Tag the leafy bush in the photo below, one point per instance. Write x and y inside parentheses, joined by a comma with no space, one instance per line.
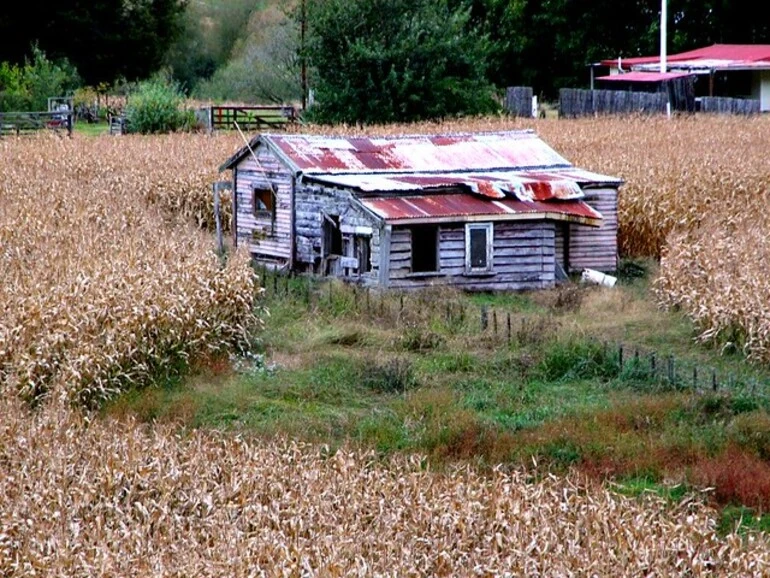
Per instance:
(28,87)
(156,107)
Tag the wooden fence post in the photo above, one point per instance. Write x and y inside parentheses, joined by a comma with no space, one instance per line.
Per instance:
(484,318)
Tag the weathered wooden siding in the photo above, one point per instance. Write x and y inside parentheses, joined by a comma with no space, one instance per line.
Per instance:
(523,258)
(596,248)
(312,202)
(560,234)
(274,243)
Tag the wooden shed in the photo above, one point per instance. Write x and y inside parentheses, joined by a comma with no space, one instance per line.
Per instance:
(489,211)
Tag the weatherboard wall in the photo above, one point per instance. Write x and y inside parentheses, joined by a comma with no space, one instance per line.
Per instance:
(315,203)
(596,247)
(522,257)
(267,241)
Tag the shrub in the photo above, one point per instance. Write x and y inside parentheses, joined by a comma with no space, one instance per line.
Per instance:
(27,88)
(156,107)
(737,477)
(395,375)
(577,359)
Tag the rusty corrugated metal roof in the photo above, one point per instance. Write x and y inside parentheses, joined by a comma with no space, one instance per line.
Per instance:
(557,184)
(513,150)
(505,175)
(463,206)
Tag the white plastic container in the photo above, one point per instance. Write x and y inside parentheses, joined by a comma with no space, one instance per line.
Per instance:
(599,278)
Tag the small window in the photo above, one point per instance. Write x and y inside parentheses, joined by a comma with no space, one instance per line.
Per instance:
(332,241)
(424,249)
(363,254)
(478,247)
(264,203)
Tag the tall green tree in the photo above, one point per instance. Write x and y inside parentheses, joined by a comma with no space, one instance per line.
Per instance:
(378,61)
(103,39)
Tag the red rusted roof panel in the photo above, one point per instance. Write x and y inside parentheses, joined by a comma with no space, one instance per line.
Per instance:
(427,207)
(512,150)
(639,76)
(727,54)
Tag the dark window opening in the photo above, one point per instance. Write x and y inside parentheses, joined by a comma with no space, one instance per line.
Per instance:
(332,235)
(363,254)
(264,203)
(424,249)
(478,248)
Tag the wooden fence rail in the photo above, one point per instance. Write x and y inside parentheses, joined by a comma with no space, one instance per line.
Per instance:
(518,101)
(249,118)
(575,102)
(16,123)
(717,104)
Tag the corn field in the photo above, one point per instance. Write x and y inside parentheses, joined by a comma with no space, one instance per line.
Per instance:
(116,499)
(106,284)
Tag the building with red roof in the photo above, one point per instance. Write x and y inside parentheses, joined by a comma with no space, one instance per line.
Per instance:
(741,70)
(482,211)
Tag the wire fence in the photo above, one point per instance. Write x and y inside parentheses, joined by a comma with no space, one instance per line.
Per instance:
(500,326)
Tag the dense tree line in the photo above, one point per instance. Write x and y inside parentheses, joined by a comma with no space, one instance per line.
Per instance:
(366,60)
(368,50)
(103,39)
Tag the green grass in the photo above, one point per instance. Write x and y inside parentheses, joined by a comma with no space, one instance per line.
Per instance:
(91,129)
(416,373)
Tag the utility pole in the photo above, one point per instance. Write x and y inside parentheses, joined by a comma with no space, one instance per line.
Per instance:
(663,34)
(303,54)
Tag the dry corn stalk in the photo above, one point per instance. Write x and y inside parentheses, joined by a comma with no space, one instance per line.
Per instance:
(101,289)
(117,499)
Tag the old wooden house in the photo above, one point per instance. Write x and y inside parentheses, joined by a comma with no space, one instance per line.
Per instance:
(490,211)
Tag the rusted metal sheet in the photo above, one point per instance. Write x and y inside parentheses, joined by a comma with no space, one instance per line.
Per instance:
(557,184)
(462,205)
(514,150)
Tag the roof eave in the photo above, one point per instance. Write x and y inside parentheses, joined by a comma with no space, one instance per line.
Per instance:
(239,155)
(264,139)
(538,216)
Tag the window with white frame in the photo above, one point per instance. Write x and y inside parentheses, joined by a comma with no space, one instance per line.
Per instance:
(479,241)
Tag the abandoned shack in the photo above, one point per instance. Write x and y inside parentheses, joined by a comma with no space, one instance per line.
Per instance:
(489,211)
